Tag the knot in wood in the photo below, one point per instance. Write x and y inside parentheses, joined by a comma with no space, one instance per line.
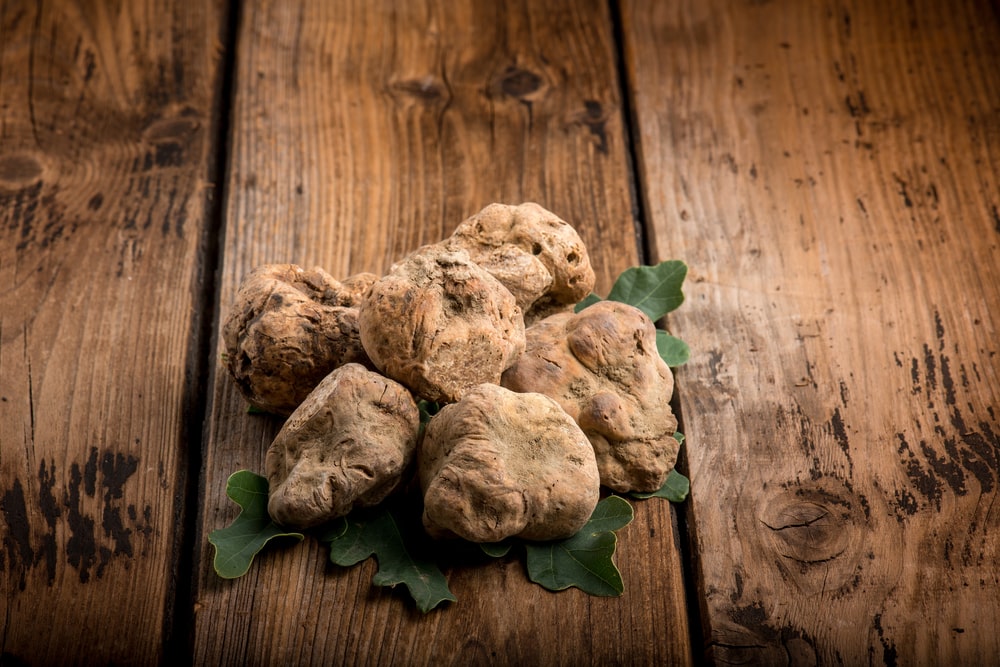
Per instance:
(813,524)
(820,534)
(171,130)
(806,530)
(428,89)
(518,83)
(19,170)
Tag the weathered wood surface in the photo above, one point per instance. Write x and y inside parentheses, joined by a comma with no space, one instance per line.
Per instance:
(362,130)
(107,139)
(831,172)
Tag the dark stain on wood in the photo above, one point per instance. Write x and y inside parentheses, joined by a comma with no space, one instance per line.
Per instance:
(809,435)
(35,216)
(889,652)
(752,616)
(945,467)
(49,507)
(715,365)
(907,201)
(595,119)
(29,542)
(17,539)
(116,468)
(730,162)
(905,504)
(959,451)
(839,431)
(857,105)
(923,481)
(81,546)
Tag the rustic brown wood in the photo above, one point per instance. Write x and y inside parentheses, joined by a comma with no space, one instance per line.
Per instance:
(831,172)
(106,144)
(360,131)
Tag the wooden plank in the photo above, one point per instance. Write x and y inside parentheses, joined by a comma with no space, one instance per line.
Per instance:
(106,145)
(831,172)
(360,131)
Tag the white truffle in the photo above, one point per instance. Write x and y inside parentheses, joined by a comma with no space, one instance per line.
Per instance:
(602,366)
(499,464)
(349,444)
(440,324)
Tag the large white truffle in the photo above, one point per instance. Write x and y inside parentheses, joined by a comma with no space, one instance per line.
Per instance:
(602,366)
(287,329)
(499,464)
(440,324)
(538,256)
(349,443)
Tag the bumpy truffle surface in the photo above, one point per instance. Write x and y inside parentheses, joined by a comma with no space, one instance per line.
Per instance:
(539,257)
(287,329)
(499,464)
(349,444)
(602,366)
(440,324)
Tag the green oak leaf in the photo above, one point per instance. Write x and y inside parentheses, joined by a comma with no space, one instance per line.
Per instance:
(588,300)
(655,290)
(584,560)
(496,549)
(238,543)
(332,530)
(427,410)
(675,489)
(673,350)
(393,535)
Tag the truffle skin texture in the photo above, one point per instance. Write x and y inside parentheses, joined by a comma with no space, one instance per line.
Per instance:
(499,464)
(287,329)
(539,257)
(440,324)
(602,366)
(349,444)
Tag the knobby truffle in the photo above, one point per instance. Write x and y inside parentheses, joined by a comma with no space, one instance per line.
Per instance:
(287,329)
(440,324)
(539,257)
(499,464)
(602,366)
(349,444)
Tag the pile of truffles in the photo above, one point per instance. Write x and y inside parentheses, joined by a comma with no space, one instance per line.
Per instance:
(540,406)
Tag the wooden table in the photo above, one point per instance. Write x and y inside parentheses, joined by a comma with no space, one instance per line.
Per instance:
(830,171)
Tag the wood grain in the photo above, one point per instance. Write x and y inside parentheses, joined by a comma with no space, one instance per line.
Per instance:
(831,172)
(106,145)
(362,130)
